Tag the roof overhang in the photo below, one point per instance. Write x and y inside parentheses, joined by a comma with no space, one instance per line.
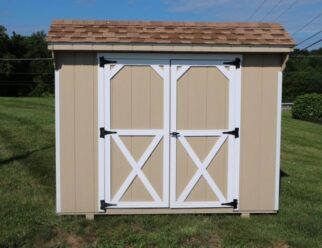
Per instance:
(144,47)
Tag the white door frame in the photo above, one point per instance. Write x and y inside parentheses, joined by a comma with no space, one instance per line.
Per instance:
(233,76)
(151,58)
(158,201)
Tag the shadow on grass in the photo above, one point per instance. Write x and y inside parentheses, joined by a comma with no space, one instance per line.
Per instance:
(283,173)
(24,155)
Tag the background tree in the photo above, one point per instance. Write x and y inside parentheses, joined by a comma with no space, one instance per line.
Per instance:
(303,74)
(25,77)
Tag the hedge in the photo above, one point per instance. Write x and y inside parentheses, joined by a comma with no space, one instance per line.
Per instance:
(308,107)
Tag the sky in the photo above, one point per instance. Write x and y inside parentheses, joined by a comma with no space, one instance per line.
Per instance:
(301,18)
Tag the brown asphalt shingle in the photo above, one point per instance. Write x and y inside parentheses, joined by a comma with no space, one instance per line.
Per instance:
(272,34)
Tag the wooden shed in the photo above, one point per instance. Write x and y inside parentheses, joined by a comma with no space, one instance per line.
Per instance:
(167,117)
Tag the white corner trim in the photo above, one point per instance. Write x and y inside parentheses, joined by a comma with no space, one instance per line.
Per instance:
(57,143)
(278,138)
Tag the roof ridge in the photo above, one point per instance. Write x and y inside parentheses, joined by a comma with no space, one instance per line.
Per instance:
(138,22)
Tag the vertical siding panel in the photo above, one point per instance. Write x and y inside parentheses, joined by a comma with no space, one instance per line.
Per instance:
(84,150)
(258,131)
(67,121)
(95,130)
(250,132)
(271,66)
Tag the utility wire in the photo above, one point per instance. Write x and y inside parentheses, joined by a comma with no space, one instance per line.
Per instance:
(306,56)
(27,73)
(309,37)
(287,9)
(24,59)
(24,82)
(256,10)
(312,44)
(271,10)
(308,23)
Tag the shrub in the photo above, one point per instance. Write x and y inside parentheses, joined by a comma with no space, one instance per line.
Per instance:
(308,107)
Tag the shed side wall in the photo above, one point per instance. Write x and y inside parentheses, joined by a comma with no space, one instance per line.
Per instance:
(79,137)
(258,131)
(78,108)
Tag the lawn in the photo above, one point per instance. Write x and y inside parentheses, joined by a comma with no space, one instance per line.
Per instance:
(27,195)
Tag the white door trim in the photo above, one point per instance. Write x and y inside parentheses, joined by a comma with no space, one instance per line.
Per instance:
(101,142)
(233,75)
(105,76)
(153,59)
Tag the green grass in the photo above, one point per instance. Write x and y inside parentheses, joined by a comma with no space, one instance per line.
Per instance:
(27,196)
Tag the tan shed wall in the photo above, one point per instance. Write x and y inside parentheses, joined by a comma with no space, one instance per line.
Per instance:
(79,132)
(258,131)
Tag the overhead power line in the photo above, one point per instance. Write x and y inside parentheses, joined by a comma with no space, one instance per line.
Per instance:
(33,82)
(256,10)
(308,23)
(271,10)
(313,35)
(15,84)
(27,73)
(287,9)
(306,56)
(24,59)
(312,44)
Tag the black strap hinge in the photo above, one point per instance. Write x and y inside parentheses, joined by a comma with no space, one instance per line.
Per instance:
(104,61)
(104,132)
(235,62)
(233,204)
(105,205)
(175,134)
(234,132)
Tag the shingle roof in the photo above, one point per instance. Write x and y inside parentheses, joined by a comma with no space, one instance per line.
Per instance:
(155,32)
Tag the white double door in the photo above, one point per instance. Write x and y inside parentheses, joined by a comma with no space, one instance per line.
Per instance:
(171,133)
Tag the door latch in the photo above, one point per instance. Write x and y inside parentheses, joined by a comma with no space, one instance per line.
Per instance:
(175,134)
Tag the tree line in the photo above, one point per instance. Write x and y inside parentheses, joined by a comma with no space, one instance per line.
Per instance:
(25,77)
(303,73)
